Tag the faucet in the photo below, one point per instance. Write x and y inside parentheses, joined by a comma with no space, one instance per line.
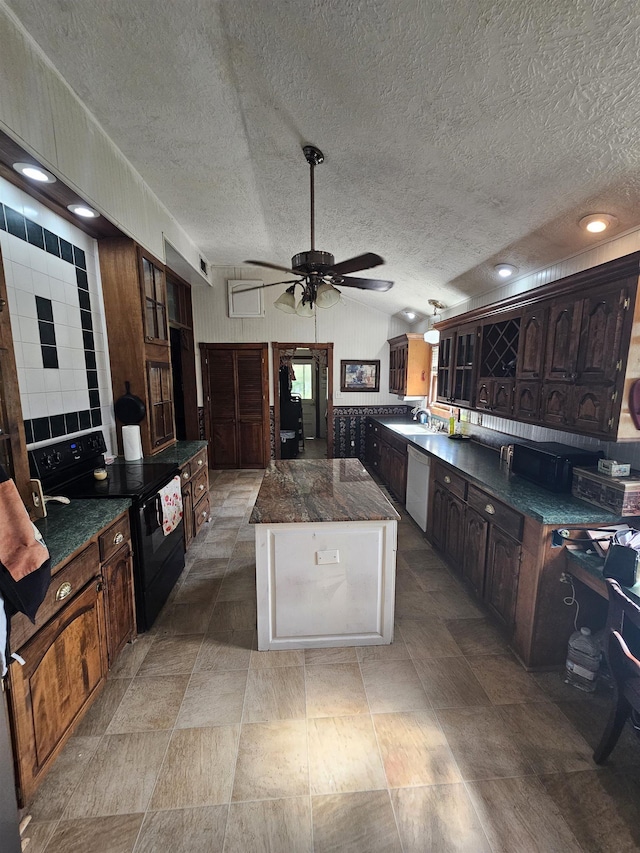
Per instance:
(421,415)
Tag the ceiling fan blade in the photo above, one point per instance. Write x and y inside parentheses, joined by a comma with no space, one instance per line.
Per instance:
(270,284)
(365,283)
(272,266)
(360,262)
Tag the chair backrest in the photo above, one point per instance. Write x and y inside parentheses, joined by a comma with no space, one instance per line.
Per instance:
(623,627)
(621,608)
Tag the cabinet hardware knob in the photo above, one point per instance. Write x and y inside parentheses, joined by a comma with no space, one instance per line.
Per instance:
(64,591)
(490,509)
(201,487)
(3,304)
(204,513)
(447,479)
(185,475)
(118,538)
(200,462)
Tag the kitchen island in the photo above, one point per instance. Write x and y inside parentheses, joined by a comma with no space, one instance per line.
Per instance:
(326,540)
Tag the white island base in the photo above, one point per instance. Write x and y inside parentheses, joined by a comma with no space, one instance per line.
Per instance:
(325,584)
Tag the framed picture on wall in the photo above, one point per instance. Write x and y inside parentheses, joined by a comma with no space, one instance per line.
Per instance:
(360,375)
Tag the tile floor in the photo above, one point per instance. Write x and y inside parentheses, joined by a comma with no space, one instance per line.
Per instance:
(439,742)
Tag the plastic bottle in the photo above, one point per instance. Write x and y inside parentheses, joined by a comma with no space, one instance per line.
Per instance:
(452,423)
(583,660)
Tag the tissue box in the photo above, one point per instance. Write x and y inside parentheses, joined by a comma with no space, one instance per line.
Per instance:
(619,495)
(613,468)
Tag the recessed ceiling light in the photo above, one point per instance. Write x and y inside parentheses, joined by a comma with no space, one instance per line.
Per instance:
(597,222)
(83,210)
(34,172)
(409,314)
(506,270)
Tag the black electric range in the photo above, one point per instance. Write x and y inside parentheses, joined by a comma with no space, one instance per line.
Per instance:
(66,469)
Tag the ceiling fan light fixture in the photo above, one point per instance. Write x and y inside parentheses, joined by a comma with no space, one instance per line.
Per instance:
(597,222)
(287,301)
(305,309)
(327,295)
(505,270)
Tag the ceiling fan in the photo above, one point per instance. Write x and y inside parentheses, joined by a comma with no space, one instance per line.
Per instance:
(318,272)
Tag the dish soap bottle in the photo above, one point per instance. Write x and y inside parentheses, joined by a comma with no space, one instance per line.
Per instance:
(452,423)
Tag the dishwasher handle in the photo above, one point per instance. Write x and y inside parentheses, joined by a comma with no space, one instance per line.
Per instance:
(417,456)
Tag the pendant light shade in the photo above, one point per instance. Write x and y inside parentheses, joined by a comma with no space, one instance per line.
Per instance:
(305,309)
(327,295)
(432,337)
(287,301)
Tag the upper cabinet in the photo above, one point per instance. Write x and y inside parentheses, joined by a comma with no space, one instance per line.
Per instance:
(561,356)
(135,301)
(409,366)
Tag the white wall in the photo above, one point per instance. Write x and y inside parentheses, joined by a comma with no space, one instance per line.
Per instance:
(357,332)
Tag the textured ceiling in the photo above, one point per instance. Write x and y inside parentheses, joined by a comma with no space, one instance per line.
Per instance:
(455,134)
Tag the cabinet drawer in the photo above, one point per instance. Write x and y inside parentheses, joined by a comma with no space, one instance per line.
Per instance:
(454,482)
(185,473)
(200,485)
(64,585)
(113,538)
(497,513)
(201,513)
(199,462)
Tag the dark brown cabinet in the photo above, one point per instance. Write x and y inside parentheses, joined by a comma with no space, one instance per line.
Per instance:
(501,575)
(120,614)
(160,398)
(386,456)
(446,516)
(196,508)
(473,564)
(409,365)
(457,366)
(154,295)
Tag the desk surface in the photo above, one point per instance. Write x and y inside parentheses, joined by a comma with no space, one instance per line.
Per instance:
(588,569)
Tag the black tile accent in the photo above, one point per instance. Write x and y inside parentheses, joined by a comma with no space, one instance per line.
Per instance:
(3,222)
(81,279)
(85,321)
(47,333)
(66,250)
(83,299)
(90,359)
(28,432)
(71,421)
(49,356)
(85,419)
(35,234)
(96,417)
(44,308)
(92,380)
(57,425)
(94,399)
(15,223)
(52,243)
(41,429)
(80,259)
(89,342)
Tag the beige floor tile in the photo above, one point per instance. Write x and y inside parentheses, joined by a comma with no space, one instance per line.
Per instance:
(233,616)
(59,784)
(149,704)
(198,768)
(198,830)
(602,808)
(185,618)
(504,680)
(268,660)
(226,650)
(343,755)
(518,815)
(335,690)
(239,586)
(38,834)
(477,636)
(432,579)
(131,656)
(275,694)
(438,818)
(453,602)
(113,834)
(120,777)
(354,823)
(209,567)
(480,743)
(450,683)
(414,605)
(393,686)
(173,655)
(197,589)
(213,699)
(547,739)
(428,638)
(270,826)
(314,657)
(396,650)
(272,761)
(101,712)
(411,538)
(414,749)
(422,559)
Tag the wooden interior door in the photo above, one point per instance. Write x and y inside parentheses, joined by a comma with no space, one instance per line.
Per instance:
(236,400)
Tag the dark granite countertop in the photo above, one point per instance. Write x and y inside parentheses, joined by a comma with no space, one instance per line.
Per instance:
(178,453)
(319,490)
(68,527)
(592,564)
(481,465)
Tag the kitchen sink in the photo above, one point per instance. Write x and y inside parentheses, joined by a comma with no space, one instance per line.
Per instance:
(412,429)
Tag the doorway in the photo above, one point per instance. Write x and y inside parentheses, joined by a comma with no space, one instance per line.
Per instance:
(303,400)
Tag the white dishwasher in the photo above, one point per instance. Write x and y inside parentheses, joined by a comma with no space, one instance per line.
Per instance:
(418,486)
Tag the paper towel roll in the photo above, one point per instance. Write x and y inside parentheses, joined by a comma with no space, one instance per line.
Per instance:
(131,442)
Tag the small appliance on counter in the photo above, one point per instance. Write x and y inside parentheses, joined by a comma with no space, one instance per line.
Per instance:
(617,494)
(549,464)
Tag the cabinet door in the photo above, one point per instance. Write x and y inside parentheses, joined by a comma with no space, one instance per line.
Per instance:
(484,394)
(563,335)
(445,364)
(502,573)
(603,316)
(160,403)
(526,400)
(463,369)
(592,409)
(65,663)
(454,544)
(555,404)
(155,302)
(437,521)
(531,343)
(503,396)
(120,613)
(475,550)
(397,481)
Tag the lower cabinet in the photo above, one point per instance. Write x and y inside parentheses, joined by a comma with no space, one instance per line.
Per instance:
(196,506)
(120,614)
(386,456)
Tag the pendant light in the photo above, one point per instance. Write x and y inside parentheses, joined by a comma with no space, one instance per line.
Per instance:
(433,335)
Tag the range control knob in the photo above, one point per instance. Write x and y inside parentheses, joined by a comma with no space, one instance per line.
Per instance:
(51,460)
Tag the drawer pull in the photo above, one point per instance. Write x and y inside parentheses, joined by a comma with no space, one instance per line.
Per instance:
(201,487)
(185,475)
(200,462)
(447,479)
(204,513)
(490,509)
(118,538)
(64,591)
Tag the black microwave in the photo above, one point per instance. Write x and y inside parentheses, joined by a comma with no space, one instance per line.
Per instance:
(549,464)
